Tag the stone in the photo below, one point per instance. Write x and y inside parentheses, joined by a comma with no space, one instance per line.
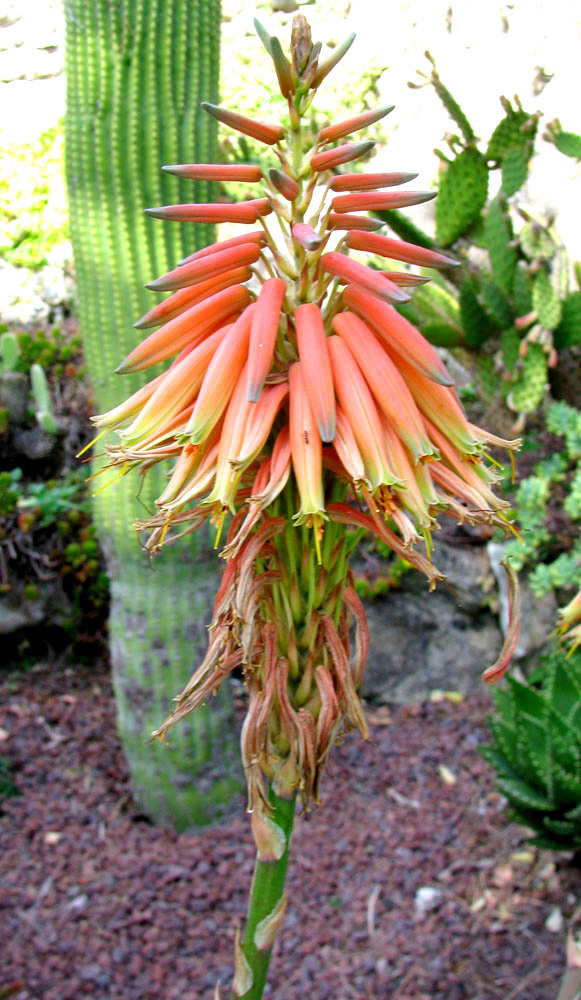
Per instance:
(15,396)
(35,444)
(420,643)
(427,898)
(50,607)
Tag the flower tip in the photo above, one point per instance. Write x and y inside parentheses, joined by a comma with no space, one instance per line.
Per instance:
(327,431)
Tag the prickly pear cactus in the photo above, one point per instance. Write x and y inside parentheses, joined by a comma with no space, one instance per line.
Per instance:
(516,131)
(136,73)
(498,237)
(568,143)
(536,751)
(568,333)
(528,388)
(462,192)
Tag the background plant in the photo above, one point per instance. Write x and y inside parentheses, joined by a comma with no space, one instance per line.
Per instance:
(547,507)
(516,301)
(536,751)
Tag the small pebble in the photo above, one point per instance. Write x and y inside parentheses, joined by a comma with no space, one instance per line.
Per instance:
(554,921)
(427,898)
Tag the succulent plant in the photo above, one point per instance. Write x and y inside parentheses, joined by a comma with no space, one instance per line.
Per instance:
(536,751)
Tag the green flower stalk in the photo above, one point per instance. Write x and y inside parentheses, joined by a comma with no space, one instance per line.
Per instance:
(298,405)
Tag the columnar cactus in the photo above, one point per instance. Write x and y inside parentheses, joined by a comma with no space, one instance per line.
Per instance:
(298,405)
(135,73)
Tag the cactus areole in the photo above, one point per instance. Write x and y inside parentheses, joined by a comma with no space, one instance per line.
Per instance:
(298,407)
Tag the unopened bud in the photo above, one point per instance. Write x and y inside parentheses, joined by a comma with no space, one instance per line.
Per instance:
(306,236)
(285,185)
(301,43)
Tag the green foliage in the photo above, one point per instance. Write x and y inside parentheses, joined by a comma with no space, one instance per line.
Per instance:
(51,499)
(33,206)
(9,352)
(545,301)
(42,403)
(529,381)
(519,296)
(462,192)
(515,131)
(54,519)
(498,236)
(536,751)
(548,543)
(568,143)
(9,490)
(568,331)
(58,353)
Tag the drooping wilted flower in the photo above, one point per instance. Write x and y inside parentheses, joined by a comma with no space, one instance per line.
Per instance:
(298,403)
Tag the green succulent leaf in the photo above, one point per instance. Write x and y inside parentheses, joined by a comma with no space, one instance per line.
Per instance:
(536,242)
(495,302)
(546,302)
(462,194)
(520,793)
(515,169)
(568,332)
(516,130)
(441,335)
(475,322)
(522,298)
(498,236)
(529,388)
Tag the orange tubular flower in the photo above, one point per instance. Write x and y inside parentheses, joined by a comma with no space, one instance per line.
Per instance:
(306,449)
(220,378)
(398,250)
(333,132)
(372,281)
(316,367)
(246,212)
(256,236)
(186,329)
(190,296)
(246,172)
(361,201)
(205,267)
(267,357)
(332,158)
(387,385)
(358,406)
(398,334)
(265,323)
(368,182)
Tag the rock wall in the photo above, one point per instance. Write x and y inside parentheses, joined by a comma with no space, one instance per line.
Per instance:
(421,642)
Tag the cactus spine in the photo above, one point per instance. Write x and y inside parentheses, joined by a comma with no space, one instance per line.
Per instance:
(136,73)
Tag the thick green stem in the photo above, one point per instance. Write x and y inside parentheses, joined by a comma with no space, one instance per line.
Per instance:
(266,897)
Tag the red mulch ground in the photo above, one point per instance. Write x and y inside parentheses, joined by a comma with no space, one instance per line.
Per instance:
(94,902)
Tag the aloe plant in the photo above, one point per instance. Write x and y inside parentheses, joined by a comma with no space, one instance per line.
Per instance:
(536,751)
(136,72)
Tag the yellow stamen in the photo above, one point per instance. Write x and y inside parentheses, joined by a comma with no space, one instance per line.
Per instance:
(112,481)
(91,443)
